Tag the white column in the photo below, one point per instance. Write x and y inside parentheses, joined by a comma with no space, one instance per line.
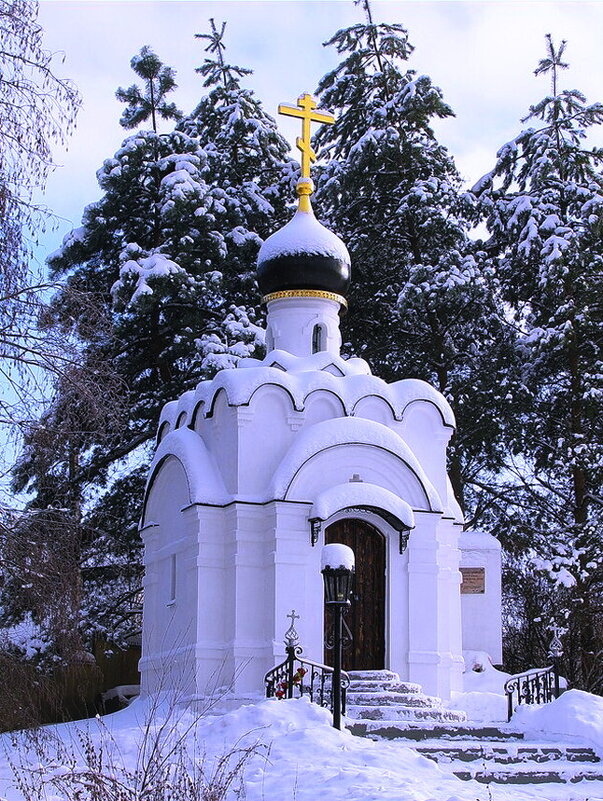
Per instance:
(213,666)
(431,597)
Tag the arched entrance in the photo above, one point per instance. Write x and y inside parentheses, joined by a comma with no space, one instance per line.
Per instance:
(366,617)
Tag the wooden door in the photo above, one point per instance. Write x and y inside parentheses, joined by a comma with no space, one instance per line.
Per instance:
(366,616)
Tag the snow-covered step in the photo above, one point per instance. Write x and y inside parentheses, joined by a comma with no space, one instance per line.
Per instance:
(529,773)
(389,717)
(388,698)
(388,685)
(504,753)
(379,680)
(430,730)
(490,754)
(379,695)
(373,675)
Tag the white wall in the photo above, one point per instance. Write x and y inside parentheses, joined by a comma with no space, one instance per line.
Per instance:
(482,612)
(245,561)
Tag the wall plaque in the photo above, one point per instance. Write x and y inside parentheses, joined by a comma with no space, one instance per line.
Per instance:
(474,580)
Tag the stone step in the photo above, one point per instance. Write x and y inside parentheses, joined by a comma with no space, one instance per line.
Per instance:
(390,716)
(503,754)
(373,675)
(390,698)
(527,774)
(387,685)
(394,730)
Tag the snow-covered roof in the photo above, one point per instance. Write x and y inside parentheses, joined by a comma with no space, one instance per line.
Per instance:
(206,485)
(361,494)
(204,478)
(351,380)
(303,234)
(479,541)
(453,509)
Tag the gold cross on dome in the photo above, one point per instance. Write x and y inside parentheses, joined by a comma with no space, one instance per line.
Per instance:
(305,110)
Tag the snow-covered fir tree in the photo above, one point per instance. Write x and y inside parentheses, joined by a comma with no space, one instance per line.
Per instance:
(247,159)
(159,81)
(168,256)
(422,302)
(543,205)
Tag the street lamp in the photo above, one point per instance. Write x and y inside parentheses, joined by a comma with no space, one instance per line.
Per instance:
(337,563)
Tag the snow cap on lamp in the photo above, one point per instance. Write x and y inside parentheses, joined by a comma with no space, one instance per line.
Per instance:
(337,556)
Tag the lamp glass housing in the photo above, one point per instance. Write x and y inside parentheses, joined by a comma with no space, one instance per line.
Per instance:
(338,585)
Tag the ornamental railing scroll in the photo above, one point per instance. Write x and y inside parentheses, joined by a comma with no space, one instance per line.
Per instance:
(347,637)
(532,687)
(297,677)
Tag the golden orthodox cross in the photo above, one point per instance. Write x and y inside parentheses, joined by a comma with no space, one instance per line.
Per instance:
(306,110)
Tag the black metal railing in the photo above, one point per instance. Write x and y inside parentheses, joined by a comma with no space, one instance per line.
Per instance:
(296,677)
(532,687)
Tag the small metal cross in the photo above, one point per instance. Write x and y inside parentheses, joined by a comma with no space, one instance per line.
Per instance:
(291,636)
(556,630)
(555,645)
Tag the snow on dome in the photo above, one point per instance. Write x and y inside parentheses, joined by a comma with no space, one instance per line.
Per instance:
(303,234)
(336,555)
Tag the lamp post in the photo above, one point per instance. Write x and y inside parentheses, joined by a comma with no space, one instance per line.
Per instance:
(337,564)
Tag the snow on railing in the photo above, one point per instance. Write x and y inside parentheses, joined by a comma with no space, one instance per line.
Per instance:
(535,686)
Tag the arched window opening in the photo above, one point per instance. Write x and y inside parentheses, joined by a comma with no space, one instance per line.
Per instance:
(172,588)
(318,339)
(163,430)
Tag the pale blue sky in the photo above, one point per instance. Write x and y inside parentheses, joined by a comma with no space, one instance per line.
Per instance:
(481,53)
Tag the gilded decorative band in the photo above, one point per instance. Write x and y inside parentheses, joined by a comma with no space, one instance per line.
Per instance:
(306,293)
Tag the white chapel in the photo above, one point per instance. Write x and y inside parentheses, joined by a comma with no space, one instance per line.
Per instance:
(256,469)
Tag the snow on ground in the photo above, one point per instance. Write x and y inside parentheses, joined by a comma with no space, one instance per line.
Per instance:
(486,707)
(484,698)
(294,754)
(484,701)
(573,714)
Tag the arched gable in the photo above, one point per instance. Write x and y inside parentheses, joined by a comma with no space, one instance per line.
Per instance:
(203,480)
(410,390)
(197,416)
(425,415)
(168,489)
(374,407)
(331,452)
(322,404)
(163,431)
(273,392)
(453,508)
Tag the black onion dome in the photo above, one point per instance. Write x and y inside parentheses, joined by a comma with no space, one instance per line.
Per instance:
(303,255)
